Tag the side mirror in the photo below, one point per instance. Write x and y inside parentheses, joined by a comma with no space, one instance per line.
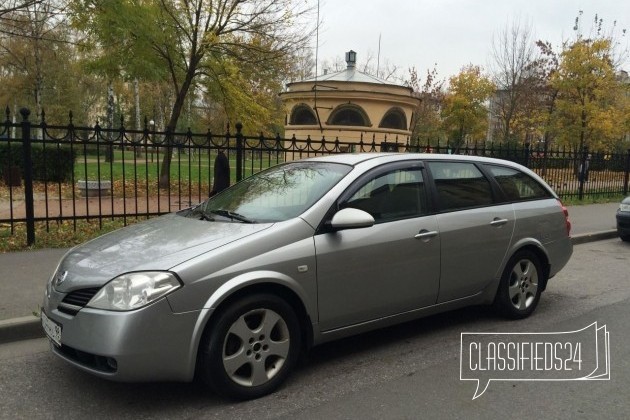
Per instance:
(350,218)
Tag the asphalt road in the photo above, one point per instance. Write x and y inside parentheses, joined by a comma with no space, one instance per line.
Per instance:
(408,371)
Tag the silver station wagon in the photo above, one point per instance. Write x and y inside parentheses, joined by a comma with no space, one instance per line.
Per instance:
(233,289)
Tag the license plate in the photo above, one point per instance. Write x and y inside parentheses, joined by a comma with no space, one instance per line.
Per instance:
(52,329)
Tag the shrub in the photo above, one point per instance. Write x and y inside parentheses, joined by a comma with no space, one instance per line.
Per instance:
(50,164)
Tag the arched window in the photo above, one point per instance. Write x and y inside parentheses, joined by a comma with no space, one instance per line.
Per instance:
(349,114)
(394,118)
(302,114)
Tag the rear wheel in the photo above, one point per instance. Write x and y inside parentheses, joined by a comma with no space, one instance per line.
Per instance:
(625,238)
(521,286)
(251,347)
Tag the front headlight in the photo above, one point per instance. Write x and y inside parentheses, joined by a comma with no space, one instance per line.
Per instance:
(624,207)
(134,290)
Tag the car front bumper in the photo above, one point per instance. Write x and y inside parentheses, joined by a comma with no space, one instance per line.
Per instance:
(623,223)
(148,344)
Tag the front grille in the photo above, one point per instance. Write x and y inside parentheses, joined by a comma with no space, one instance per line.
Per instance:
(74,301)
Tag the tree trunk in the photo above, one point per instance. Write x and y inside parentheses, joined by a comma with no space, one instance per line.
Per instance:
(109,153)
(136,100)
(165,171)
(39,77)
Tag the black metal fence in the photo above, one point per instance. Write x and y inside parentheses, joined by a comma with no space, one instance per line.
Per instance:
(57,173)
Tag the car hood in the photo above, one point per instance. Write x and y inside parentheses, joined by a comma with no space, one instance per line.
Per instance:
(157,244)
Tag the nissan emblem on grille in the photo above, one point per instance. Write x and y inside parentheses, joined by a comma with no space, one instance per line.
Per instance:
(60,278)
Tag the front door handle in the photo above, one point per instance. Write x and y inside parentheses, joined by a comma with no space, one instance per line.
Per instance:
(498,222)
(426,234)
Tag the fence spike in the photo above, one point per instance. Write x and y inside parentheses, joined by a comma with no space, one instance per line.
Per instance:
(25,112)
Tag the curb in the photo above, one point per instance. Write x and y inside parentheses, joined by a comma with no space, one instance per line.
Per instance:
(593,236)
(23,328)
(27,327)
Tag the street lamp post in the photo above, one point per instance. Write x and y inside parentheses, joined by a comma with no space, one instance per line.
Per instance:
(152,135)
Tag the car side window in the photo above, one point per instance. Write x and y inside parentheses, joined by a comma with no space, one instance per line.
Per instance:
(460,185)
(391,196)
(517,185)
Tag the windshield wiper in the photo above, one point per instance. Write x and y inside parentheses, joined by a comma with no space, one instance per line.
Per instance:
(204,216)
(197,212)
(231,215)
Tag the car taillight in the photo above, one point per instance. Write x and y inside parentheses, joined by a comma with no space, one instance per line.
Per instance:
(566,218)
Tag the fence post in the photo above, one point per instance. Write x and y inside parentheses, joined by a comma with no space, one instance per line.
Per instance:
(582,171)
(28,177)
(627,174)
(239,152)
(527,152)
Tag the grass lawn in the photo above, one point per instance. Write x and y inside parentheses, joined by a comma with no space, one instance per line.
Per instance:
(190,169)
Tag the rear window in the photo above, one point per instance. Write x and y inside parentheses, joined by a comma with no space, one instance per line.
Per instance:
(516,185)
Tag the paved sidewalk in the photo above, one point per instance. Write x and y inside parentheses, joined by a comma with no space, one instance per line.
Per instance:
(23,275)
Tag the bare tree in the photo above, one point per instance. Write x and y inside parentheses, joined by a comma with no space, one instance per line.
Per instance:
(427,121)
(37,24)
(12,6)
(303,65)
(513,53)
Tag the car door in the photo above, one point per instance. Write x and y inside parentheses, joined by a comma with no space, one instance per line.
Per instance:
(388,268)
(475,232)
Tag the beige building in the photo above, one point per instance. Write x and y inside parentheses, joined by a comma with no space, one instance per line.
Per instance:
(349,106)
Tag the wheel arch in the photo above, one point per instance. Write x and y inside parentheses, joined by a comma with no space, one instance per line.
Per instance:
(534,247)
(280,290)
(537,249)
(500,296)
(262,287)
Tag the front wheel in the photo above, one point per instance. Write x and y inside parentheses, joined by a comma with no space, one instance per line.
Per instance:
(521,286)
(251,347)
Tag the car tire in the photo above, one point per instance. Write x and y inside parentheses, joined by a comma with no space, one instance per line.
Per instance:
(625,238)
(250,348)
(521,285)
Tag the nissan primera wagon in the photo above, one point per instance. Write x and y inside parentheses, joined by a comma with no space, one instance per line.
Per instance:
(233,289)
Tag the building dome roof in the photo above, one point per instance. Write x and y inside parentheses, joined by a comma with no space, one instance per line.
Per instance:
(349,75)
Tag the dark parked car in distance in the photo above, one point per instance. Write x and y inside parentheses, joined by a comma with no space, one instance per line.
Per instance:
(623,219)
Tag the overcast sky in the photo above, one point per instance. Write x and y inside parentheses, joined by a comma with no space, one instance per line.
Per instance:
(450,33)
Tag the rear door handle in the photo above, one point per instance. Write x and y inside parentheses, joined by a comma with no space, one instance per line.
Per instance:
(498,222)
(426,234)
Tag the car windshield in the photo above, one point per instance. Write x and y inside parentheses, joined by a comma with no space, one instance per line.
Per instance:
(276,194)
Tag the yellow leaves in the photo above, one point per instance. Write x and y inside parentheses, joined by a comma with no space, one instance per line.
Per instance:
(209,39)
(464,104)
(591,99)
(60,234)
